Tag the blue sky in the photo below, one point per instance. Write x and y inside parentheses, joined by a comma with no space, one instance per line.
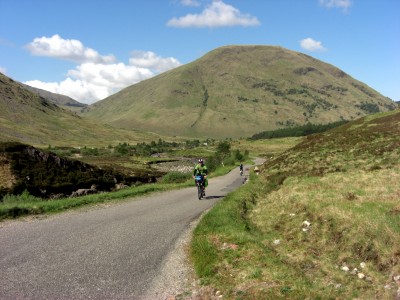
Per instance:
(89,49)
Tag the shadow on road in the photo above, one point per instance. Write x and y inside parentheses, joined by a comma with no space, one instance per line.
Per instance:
(212,197)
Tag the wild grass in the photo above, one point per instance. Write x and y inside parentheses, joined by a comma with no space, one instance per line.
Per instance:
(25,204)
(254,244)
(13,206)
(321,221)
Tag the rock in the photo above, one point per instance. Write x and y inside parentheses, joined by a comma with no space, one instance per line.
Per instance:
(397,279)
(345,268)
(361,275)
(120,186)
(363,265)
(355,271)
(277,242)
(387,287)
(83,192)
(56,196)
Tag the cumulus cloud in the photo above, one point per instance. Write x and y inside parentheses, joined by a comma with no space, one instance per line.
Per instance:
(83,91)
(344,4)
(310,44)
(72,50)
(90,81)
(3,70)
(150,60)
(217,14)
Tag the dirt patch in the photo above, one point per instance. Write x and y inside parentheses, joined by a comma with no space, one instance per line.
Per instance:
(183,165)
(6,178)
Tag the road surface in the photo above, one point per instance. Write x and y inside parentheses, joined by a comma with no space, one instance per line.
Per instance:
(103,252)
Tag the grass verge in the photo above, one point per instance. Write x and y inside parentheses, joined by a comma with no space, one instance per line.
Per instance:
(18,206)
(22,205)
(304,237)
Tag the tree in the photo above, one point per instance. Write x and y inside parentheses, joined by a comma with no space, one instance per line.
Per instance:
(223,151)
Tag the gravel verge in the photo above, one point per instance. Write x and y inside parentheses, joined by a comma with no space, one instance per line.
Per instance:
(177,279)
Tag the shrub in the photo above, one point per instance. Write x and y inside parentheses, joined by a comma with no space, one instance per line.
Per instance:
(176,177)
(24,197)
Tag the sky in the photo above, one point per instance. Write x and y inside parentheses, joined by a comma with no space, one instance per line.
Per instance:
(90,49)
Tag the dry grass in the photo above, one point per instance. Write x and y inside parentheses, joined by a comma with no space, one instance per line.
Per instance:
(6,177)
(267,148)
(327,205)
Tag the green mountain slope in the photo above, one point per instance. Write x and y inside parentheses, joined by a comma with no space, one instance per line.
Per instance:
(29,118)
(237,91)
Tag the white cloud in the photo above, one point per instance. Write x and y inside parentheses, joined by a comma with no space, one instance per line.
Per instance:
(148,59)
(3,70)
(82,91)
(72,50)
(311,45)
(344,4)
(217,14)
(190,3)
(90,82)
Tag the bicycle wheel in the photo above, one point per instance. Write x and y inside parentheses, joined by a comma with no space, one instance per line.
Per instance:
(199,191)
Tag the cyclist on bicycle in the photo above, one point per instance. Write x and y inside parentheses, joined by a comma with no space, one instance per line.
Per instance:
(201,169)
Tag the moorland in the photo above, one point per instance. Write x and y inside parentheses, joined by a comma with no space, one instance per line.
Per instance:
(320,221)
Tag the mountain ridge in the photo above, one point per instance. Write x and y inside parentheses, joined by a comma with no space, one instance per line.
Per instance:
(60,100)
(237,91)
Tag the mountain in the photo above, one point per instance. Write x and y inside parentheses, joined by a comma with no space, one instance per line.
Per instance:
(237,91)
(61,100)
(29,118)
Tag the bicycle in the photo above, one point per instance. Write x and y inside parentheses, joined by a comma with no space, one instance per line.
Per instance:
(200,186)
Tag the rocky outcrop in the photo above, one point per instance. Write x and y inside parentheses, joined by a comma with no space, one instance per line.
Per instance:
(47,175)
(84,192)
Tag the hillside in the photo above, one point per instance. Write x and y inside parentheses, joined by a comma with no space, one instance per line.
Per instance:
(60,100)
(29,118)
(237,91)
(47,175)
(321,221)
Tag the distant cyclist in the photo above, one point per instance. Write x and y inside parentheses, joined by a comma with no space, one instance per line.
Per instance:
(241,169)
(201,169)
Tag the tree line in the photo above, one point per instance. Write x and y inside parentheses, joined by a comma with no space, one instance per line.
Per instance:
(303,130)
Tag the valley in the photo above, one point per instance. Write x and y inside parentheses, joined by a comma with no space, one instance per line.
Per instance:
(319,220)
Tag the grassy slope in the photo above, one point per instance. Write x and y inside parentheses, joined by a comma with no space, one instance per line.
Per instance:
(254,244)
(28,118)
(236,91)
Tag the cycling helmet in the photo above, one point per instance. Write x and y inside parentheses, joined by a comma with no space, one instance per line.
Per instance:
(201,161)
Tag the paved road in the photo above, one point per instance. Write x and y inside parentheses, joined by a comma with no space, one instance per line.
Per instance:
(100,253)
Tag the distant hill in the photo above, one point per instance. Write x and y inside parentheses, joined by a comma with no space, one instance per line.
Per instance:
(60,100)
(29,118)
(237,91)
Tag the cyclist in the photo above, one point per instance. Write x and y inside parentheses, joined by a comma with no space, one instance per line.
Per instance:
(241,169)
(201,169)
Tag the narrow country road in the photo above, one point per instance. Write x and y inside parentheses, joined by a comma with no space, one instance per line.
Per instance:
(106,252)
